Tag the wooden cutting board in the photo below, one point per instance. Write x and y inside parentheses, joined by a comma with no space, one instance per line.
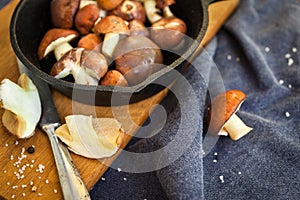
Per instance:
(20,172)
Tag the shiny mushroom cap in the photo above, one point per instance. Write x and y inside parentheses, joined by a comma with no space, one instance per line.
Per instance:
(63,12)
(54,38)
(222,114)
(86,18)
(168,32)
(109,4)
(111,24)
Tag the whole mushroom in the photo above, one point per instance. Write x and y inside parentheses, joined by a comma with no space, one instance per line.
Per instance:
(223,118)
(90,41)
(113,27)
(86,66)
(137,57)
(63,12)
(86,17)
(57,40)
(114,77)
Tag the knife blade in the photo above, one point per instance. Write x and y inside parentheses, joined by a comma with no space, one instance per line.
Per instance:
(71,182)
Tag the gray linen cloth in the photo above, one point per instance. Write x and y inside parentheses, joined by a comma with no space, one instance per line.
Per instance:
(257,51)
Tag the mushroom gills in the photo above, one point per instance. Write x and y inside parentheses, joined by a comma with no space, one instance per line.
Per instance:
(236,128)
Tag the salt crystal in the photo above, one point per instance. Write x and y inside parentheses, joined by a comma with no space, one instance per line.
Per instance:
(237,59)
(55,191)
(215,153)
(23,194)
(289,86)
(6,145)
(215,161)
(47,181)
(287,114)
(280,82)
(119,169)
(287,55)
(221,178)
(40,194)
(4,171)
(102,178)
(17,142)
(290,62)
(267,49)
(239,173)
(124,179)
(13,196)
(8,183)
(294,49)
(228,57)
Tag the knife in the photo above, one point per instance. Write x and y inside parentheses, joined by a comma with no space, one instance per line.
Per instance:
(73,188)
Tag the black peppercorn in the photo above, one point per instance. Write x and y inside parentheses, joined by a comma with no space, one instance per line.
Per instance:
(30,150)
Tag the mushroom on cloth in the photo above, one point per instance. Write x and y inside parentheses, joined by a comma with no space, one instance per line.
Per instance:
(223,118)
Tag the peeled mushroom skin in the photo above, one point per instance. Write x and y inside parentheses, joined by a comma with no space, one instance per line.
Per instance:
(63,12)
(137,57)
(130,10)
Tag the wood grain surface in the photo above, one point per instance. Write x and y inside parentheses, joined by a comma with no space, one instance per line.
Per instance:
(20,171)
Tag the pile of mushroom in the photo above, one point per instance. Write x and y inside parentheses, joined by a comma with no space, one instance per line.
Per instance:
(89,35)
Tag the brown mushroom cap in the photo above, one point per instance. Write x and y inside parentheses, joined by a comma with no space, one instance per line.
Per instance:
(222,107)
(136,27)
(90,41)
(95,62)
(63,12)
(114,77)
(168,32)
(164,3)
(86,17)
(109,4)
(129,10)
(137,57)
(111,24)
(53,38)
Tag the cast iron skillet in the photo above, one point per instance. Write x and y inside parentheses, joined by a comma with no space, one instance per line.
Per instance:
(31,19)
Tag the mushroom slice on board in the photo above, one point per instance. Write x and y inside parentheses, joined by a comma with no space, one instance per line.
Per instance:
(223,118)
(113,27)
(86,66)
(91,137)
(57,40)
(22,106)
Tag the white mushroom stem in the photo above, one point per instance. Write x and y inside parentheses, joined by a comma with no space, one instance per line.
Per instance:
(152,11)
(236,128)
(86,2)
(167,12)
(22,106)
(60,50)
(109,44)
